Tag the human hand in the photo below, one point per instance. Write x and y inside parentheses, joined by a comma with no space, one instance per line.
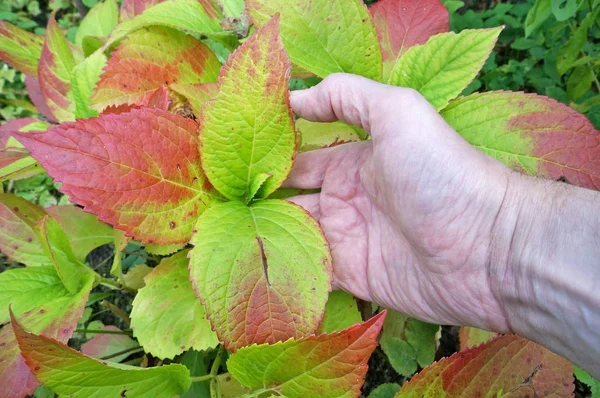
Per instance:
(410,215)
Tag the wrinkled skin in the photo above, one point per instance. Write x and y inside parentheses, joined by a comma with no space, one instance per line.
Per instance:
(409,215)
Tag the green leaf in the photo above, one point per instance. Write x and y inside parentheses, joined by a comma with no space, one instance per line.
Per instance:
(99,21)
(68,372)
(195,362)
(18,239)
(163,250)
(196,94)
(57,248)
(325,366)
(444,66)
(247,131)
(580,82)
(587,379)
(167,319)
(530,133)
(408,342)
(453,5)
(20,49)
(341,312)
(56,318)
(28,288)
(315,135)
(263,271)
(83,81)
(387,390)
(84,231)
(565,9)
(325,36)
(470,337)
(568,53)
(537,15)
(178,14)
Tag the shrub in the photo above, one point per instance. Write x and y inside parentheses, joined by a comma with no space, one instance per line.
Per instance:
(145,129)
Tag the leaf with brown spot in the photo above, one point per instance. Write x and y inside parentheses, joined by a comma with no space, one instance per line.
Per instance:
(123,168)
(149,59)
(263,271)
(506,364)
(55,318)
(326,366)
(70,373)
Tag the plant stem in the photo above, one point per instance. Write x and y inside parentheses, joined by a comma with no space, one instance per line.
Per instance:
(214,369)
(130,351)
(86,331)
(198,379)
(117,311)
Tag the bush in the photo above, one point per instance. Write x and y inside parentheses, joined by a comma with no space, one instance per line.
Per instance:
(187,273)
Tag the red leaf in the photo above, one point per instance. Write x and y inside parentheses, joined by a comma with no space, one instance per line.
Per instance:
(19,48)
(401,24)
(54,73)
(530,133)
(9,128)
(328,365)
(158,99)
(56,320)
(139,171)
(148,59)
(507,364)
(35,95)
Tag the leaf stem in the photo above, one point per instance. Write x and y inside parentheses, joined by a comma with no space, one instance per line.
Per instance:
(91,331)
(198,379)
(129,351)
(214,369)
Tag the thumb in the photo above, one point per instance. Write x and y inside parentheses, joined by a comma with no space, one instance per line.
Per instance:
(352,99)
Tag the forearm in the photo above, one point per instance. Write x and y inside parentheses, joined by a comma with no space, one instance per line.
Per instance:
(545,270)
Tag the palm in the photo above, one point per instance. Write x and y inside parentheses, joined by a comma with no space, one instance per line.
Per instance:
(404,220)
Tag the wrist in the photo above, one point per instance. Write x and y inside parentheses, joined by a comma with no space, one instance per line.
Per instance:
(543,265)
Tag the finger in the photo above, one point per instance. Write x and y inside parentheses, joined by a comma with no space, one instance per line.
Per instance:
(352,99)
(310,203)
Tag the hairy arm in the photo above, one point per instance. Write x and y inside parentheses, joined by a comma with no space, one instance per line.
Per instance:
(545,266)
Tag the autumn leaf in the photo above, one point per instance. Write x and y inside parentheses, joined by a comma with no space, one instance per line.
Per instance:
(68,372)
(470,337)
(55,318)
(106,345)
(506,365)
(327,365)
(55,72)
(263,271)
(149,59)
(530,133)
(138,171)
(247,132)
(401,24)
(18,239)
(20,49)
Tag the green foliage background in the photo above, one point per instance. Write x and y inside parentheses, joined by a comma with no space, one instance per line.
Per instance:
(543,49)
